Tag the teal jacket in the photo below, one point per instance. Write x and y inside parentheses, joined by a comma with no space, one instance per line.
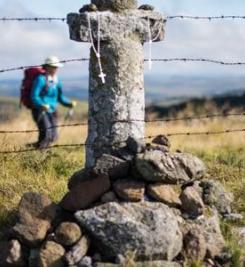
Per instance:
(50,93)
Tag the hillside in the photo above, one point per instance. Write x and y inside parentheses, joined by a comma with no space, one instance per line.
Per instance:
(172,107)
(158,87)
(223,104)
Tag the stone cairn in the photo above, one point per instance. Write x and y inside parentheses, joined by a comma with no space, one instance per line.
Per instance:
(134,199)
(144,201)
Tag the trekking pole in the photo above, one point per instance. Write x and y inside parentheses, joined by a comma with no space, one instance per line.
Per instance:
(41,115)
(69,114)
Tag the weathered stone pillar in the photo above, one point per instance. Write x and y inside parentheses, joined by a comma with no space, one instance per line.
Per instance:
(116,107)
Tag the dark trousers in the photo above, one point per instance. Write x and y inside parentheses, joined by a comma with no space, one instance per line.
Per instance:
(47,126)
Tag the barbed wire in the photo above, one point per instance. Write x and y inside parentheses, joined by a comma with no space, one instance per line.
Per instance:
(186,118)
(205,17)
(220,62)
(37,19)
(38,65)
(207,133)
(62,19)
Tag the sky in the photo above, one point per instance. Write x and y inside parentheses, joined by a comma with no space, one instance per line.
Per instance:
(28,43)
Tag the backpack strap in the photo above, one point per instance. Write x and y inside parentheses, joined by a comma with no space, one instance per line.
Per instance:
(47,83)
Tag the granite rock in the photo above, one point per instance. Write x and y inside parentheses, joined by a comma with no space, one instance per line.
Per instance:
(109,197)
(36,213)
(11,254)
(78,251)
(212,233)
(157,166)
(129,190)
(51,255)
(192,203)
(67,233)
(164,193)
(195,247)
(112,166)
(214,194)
(78,177)
(161,140)
(86,193)
(150,229)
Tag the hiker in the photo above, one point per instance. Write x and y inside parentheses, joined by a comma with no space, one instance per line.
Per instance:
(46,93)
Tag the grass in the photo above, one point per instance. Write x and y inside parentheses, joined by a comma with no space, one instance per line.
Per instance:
(238,253)
(49,171)
(45,172)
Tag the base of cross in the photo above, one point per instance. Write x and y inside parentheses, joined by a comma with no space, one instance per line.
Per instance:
(141,206)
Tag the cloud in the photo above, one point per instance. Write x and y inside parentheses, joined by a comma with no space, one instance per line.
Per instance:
(199,39)
(29,43)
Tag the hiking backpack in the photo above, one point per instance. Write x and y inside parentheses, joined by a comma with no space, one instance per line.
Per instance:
(25,92)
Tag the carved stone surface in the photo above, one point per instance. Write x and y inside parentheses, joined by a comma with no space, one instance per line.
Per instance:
(116,108)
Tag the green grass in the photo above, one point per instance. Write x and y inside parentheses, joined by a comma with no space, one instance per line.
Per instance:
(45,172)
(228,166)
(238,253)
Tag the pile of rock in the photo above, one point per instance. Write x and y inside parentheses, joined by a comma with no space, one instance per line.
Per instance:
(143,200)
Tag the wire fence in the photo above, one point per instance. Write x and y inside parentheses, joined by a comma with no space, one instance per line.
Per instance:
(222,17)
(206,133)
(62,19)
(37,19)
(38,65)
(166,60)
(184,60)
(186,118)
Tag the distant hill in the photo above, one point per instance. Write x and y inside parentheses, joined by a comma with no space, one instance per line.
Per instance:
(158,87)
(220,103)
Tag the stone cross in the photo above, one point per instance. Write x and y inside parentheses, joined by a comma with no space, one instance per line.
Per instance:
(116,73)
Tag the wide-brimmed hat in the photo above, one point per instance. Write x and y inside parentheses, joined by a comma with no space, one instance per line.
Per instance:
(53,62)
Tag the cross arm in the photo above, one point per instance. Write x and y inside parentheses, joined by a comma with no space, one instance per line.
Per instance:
(144,24)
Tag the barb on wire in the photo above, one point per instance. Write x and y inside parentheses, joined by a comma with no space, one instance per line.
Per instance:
(208,133)
(220,62)
(186,118)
